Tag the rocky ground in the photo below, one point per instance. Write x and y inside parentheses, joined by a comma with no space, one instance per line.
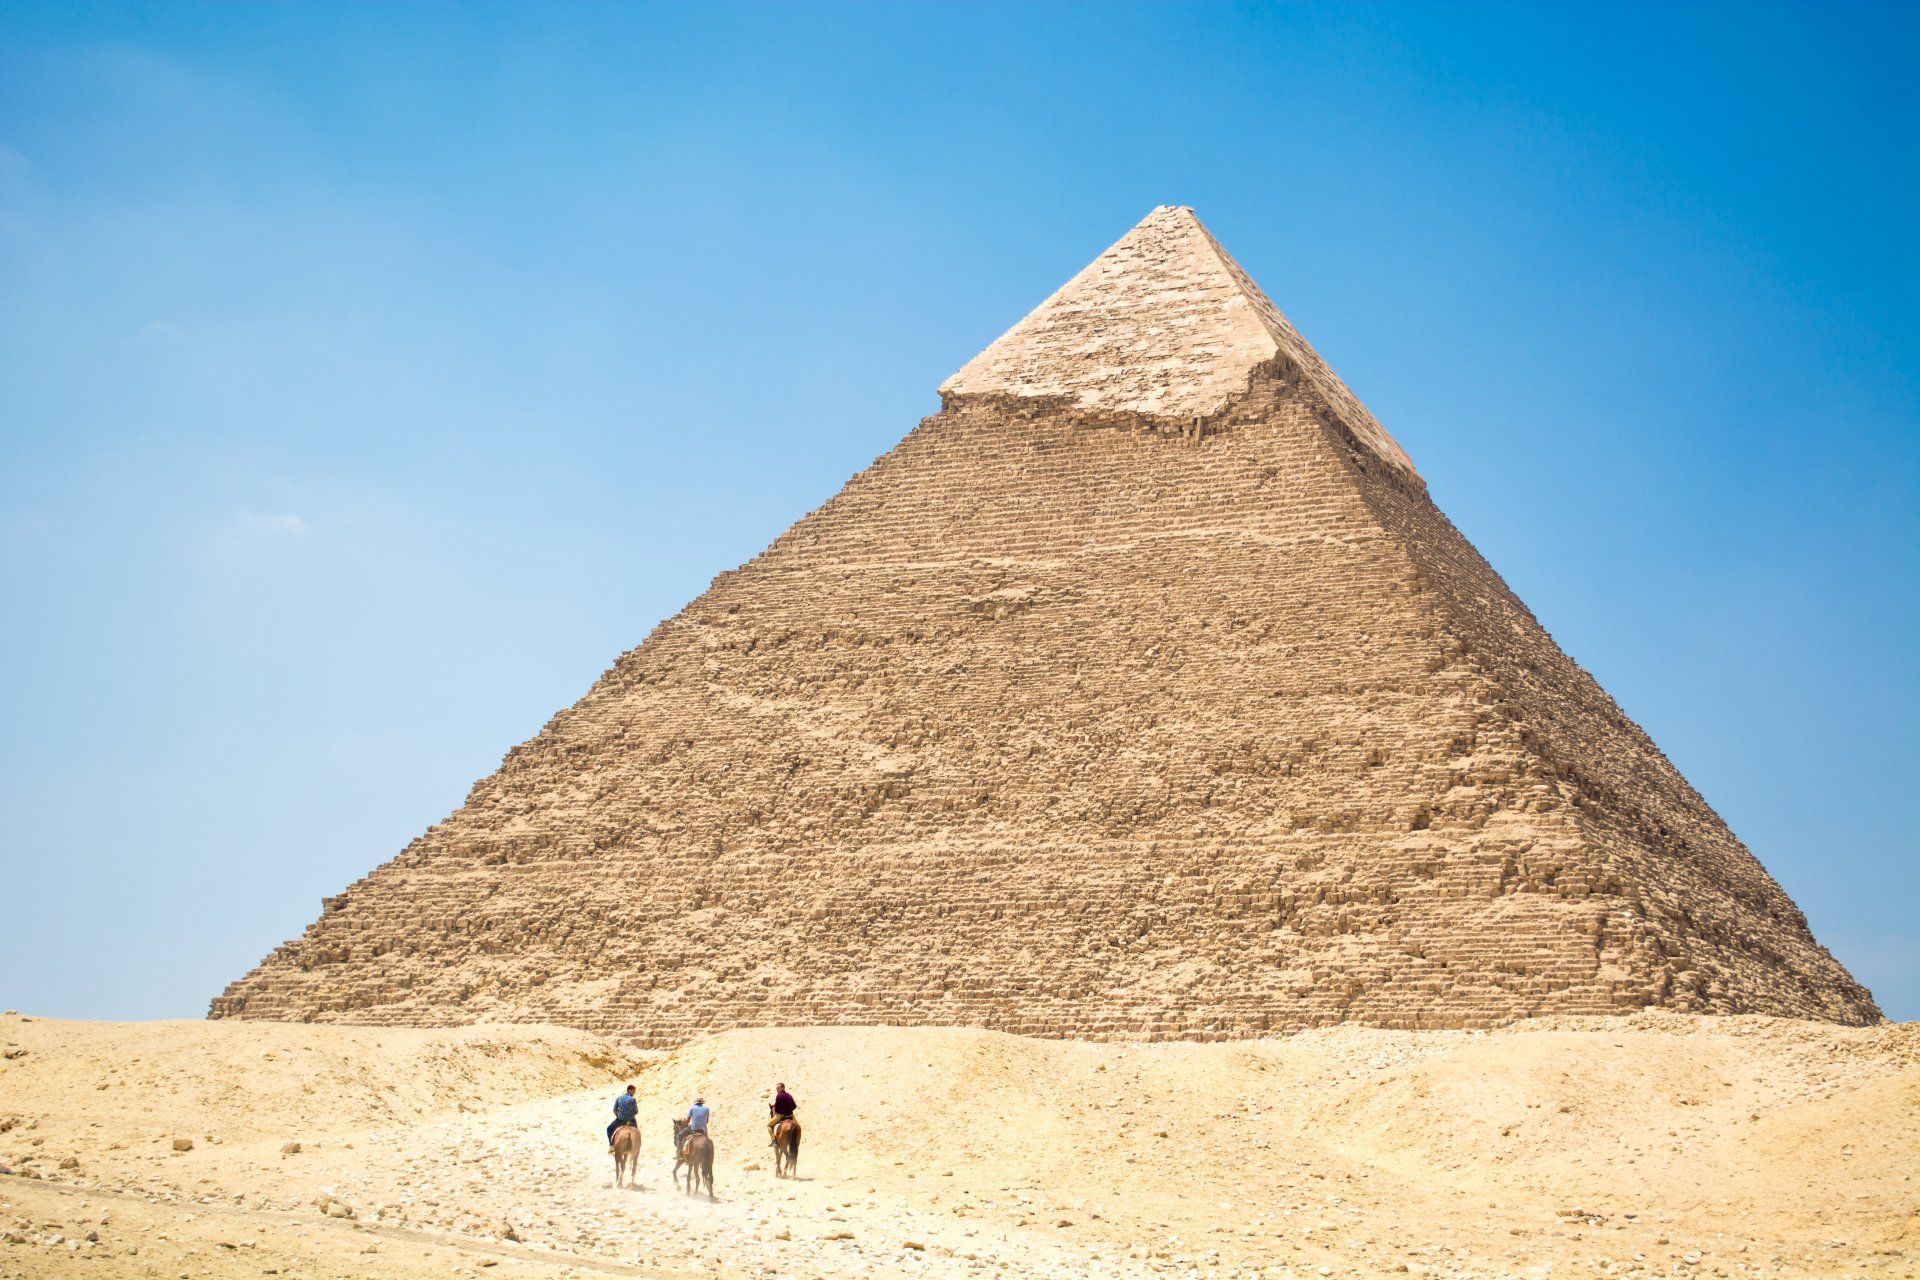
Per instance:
(1653,1145)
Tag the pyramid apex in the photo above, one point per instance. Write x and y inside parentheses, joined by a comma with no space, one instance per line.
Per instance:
(1164,325)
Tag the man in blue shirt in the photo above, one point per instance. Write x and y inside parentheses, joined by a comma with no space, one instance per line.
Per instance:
(696,1121)
(626,1108)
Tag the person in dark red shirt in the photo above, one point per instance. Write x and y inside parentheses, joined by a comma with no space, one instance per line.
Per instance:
(782,1107)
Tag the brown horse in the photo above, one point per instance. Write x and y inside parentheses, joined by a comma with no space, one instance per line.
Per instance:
(626,1155)
(694,1153)
(786,1147)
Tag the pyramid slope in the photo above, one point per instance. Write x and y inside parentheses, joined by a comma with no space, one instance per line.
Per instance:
(1061,729)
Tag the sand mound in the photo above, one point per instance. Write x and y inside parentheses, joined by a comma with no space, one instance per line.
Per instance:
(251,1082)
(1657,1144)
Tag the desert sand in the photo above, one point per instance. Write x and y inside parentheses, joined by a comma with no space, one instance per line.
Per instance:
(1656,1144)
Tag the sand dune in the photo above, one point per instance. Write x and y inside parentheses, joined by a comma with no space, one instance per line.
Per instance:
(1656,1144)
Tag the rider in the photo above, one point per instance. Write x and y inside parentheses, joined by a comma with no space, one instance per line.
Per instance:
(696,1121)
(781,1108)
(626,1108)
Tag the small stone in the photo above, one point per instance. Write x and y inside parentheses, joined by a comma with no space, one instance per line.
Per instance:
(70,1162)
(912,1244)
(289,1148)
(183,1144)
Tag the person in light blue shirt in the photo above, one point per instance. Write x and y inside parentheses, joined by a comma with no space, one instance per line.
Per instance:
(626,1110)
(696,1121)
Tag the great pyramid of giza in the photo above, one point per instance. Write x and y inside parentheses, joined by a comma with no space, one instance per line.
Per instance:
(1141,692)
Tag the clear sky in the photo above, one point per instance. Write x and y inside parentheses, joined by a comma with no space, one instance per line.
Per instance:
(371,376)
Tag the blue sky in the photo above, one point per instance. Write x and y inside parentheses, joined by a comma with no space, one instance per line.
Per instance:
(370,377)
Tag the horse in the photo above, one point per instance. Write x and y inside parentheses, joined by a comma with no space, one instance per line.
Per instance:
(694,1152)
(626,1154)
(786,1147)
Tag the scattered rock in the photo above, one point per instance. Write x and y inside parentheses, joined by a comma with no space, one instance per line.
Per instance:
(289,1148)
(183,1144)
(331,1205)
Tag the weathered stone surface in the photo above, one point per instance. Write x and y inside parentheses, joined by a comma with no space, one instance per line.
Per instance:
(1103,705)
(1164,326)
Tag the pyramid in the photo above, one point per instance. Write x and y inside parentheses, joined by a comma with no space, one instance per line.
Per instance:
(1141,692)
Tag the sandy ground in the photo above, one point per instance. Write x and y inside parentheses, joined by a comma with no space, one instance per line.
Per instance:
(1656,1144)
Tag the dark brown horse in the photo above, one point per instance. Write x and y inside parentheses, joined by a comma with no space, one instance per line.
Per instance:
(626,1155)
(786,1147)
(694,1153)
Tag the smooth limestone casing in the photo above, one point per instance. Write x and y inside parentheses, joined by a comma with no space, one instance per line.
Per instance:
(1078,715)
